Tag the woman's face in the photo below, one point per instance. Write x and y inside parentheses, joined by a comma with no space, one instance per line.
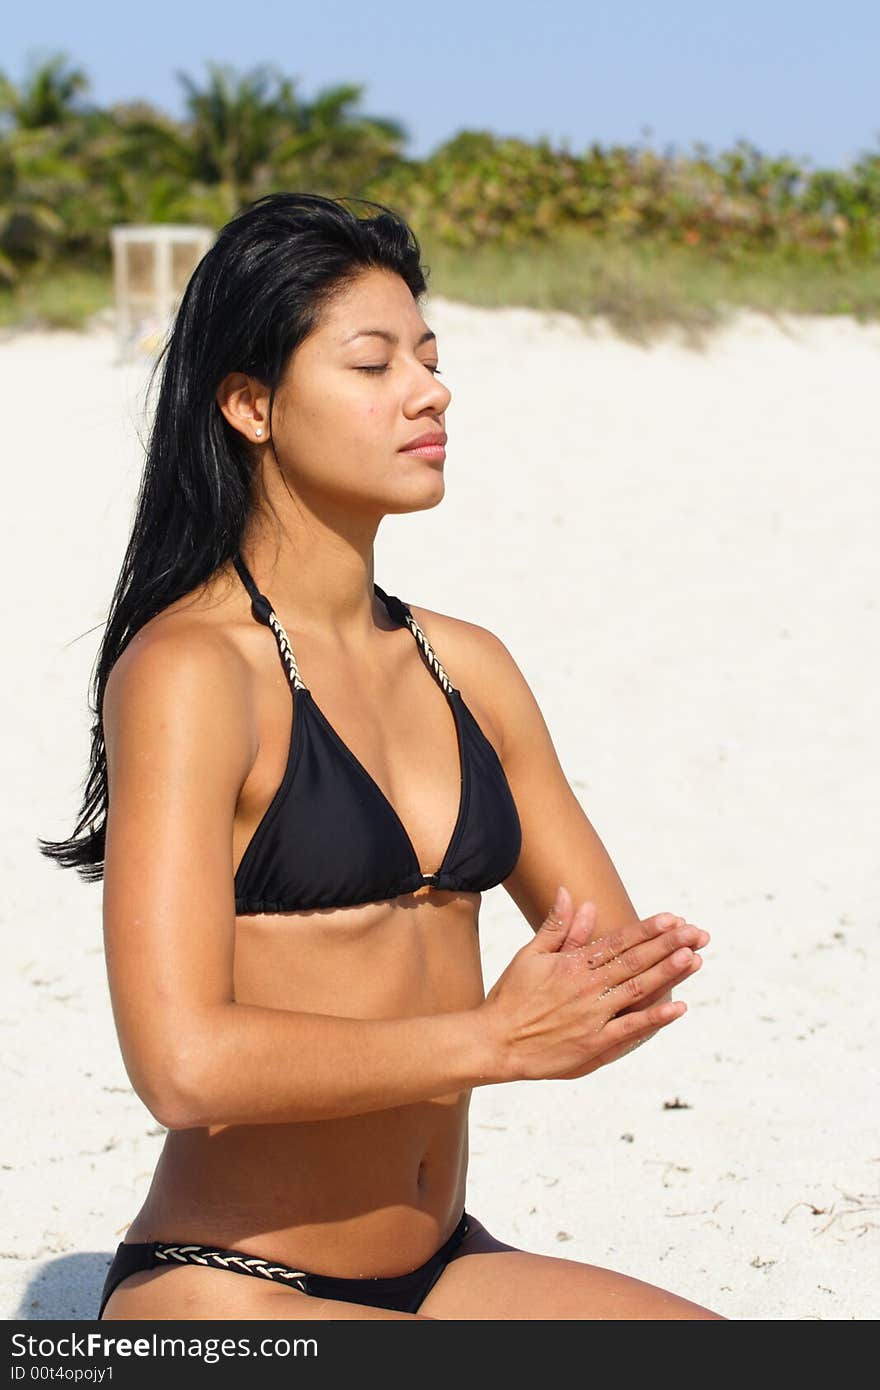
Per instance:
(350,401)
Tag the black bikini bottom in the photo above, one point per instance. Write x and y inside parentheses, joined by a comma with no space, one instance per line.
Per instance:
(403,1292)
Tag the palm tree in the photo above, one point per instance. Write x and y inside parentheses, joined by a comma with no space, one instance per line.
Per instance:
(234,124)
(251,132)
(69,171)
(47,95)
(37,166)
(334,146)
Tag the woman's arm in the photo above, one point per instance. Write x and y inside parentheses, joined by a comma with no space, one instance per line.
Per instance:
(559,843)
(181,740)
(180,743)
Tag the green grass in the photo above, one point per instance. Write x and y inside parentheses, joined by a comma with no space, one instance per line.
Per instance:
(644,289)
(58,298)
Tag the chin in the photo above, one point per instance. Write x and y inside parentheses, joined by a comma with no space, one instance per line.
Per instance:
(419,498)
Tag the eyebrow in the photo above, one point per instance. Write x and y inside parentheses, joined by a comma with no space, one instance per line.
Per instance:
(389,337)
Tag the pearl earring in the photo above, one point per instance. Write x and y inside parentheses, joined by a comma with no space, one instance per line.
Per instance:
(258,431)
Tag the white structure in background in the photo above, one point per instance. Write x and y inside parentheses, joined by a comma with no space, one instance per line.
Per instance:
(152,263)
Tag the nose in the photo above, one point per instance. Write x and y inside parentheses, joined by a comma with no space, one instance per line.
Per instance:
(429,393)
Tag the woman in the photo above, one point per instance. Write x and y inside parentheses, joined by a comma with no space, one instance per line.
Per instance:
(296,833)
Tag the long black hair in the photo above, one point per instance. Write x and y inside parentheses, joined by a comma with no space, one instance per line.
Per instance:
(251,301)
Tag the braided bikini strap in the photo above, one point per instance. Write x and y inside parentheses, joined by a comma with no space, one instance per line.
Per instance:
(219,1259)
(265,613)
(399,610)
(286,651)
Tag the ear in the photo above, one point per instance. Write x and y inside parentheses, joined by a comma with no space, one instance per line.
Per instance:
(244,402)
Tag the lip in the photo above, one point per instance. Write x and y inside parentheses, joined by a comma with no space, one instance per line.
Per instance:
(430,445)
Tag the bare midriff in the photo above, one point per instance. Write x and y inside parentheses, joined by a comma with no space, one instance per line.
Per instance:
(357,1196)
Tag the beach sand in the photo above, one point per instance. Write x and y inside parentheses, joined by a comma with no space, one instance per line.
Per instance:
(680,550)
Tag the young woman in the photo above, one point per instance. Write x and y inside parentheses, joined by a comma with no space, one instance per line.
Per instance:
(300,786)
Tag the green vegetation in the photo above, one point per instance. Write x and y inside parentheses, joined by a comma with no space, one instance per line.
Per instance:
(645,287)
(649,240)
(56,298)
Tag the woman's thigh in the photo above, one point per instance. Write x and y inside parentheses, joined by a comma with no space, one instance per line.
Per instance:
(487,1279)
(192,1292)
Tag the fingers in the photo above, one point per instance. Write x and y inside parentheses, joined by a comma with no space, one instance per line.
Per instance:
(564,928)
(612,945)
(581,927)
(628,1031)
(655,937)
(632,989)
(654,998)
(625,1032)
(552,932)
(612,953)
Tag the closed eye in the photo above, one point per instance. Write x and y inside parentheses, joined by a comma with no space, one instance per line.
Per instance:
(435,371)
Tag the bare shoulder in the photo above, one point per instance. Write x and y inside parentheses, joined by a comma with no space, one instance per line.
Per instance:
(476,659)
(179,671)
(465,636)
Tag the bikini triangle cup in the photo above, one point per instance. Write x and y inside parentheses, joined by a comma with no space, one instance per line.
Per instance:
(294,862)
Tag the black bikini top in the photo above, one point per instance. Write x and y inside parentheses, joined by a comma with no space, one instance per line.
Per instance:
(331,838)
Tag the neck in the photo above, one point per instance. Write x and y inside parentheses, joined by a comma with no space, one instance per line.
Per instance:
(318,572)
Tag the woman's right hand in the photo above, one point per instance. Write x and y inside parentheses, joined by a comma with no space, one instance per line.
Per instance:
(555,1010)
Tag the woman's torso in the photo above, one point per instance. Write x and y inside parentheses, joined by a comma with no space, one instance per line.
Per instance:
(363,1194)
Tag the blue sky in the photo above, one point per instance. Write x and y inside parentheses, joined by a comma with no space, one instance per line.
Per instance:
(793,78)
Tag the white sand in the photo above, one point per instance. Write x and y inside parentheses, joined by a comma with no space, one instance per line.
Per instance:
(681,552)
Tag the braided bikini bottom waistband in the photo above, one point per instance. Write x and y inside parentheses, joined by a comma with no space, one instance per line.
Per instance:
(403,1291)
